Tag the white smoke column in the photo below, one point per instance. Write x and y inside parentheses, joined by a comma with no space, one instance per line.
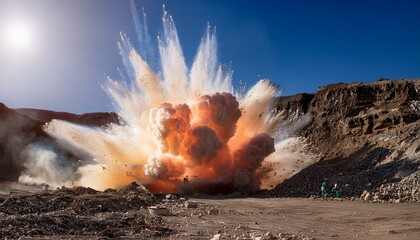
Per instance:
(143,35)
(173,64)
(205,68)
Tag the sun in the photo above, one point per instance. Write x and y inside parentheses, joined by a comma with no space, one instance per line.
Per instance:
(18,36)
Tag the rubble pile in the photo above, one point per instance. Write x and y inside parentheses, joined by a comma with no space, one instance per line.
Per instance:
(407,190)
(82,212)
(129,212)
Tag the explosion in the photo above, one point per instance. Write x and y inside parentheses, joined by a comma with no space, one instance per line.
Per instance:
(176,123)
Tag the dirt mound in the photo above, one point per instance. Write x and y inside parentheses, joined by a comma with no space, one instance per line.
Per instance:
(364,133)
(77,211)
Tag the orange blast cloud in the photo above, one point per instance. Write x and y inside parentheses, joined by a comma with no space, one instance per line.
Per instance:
(175,124)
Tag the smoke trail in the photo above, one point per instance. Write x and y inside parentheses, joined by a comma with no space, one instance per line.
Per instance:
(147,50)
(172,60)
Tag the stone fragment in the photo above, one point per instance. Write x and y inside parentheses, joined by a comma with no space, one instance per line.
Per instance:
(212,211)
(171,197)
(378,196)
(368,197)
(189,204)
(158,210)
(216,237)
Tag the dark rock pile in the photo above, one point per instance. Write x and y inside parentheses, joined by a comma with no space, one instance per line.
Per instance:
(81,212)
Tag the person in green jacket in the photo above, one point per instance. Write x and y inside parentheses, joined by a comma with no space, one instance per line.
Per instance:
(324,188)
(336,191)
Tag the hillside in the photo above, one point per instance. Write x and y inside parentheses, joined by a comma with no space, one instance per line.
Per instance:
(366,135)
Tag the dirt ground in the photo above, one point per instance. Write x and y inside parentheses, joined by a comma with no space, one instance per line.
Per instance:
(315,218)
(213,218)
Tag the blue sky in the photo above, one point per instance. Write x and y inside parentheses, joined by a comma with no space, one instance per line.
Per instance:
(299,45)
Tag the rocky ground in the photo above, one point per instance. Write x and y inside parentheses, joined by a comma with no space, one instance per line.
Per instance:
(129,212)
(81,212)
(28,212)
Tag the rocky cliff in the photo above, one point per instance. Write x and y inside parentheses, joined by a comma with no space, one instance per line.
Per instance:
(346,117)
(366,135)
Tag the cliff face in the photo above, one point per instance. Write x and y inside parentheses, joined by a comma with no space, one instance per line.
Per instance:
(348,116)
(293,107)
(366,135)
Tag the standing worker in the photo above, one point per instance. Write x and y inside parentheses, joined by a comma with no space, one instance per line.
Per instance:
(324,188)
(336,191)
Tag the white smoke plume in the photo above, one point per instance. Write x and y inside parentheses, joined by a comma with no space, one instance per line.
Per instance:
(46,165)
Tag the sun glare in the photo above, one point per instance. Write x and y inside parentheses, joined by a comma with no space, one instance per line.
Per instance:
(18,36)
